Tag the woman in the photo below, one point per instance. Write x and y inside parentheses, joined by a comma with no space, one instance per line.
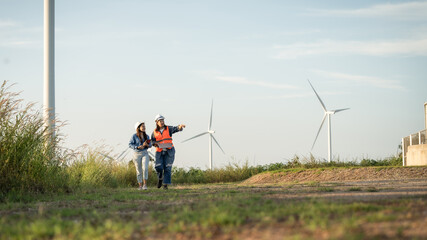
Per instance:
(165,151)
(140,142)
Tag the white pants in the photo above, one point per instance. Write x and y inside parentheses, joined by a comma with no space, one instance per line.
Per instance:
(141,160)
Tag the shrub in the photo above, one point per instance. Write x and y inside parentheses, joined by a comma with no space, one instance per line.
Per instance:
(392,161)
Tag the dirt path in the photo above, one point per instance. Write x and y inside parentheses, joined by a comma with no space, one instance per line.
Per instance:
(349,190)
(353,184)
(340,174)
(410,225)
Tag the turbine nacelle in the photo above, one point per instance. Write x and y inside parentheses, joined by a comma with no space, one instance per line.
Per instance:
(330,112)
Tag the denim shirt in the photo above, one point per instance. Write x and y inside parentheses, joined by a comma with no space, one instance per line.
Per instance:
(134,143)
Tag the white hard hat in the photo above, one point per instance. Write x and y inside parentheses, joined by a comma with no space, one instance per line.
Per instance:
(158,117)
(137,124)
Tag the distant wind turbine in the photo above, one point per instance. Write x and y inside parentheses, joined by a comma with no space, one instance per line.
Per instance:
(328,113)
(210,132)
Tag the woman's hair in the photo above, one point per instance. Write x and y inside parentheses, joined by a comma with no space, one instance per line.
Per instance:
(141,135)
(157,126)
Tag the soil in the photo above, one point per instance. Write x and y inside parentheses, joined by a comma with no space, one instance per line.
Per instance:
(340,174)
(351,185)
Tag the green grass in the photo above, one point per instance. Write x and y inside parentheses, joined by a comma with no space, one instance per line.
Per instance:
(193,211)
(313,184)
(325,189)
(372,189)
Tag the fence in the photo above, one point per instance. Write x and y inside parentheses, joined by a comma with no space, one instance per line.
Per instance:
(413,139)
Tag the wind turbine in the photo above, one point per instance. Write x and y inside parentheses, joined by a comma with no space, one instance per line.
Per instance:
(49,66)
(210,132)
(328,114)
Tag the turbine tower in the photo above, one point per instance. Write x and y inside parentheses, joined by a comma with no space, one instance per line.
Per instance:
(49,66)
(328,114)
(210,132)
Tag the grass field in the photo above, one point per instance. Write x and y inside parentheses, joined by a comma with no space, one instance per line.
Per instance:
(309,210)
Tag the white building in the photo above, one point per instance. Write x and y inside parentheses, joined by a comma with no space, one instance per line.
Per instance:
(414,146)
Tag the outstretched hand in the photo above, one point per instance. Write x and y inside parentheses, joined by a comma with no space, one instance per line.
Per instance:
(180,127)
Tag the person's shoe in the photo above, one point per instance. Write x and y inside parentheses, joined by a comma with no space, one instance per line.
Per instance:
(144,187)
(165,187)
(139,188)
(159,184)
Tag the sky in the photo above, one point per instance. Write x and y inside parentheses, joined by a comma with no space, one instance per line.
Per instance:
(120,62)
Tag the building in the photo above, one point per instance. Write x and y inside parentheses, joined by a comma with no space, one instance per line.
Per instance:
(414,146)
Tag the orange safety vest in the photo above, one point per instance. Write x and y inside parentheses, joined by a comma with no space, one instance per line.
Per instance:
(163,138)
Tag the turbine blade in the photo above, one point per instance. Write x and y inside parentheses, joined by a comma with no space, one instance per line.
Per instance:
(106,155)
(123,157)
(122,153)
(198,135)
(320,128)
(340,110)
(210,122)
(217,143)
(321,102)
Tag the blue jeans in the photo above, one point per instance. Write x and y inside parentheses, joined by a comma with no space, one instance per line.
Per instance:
(164,162)
(141,160)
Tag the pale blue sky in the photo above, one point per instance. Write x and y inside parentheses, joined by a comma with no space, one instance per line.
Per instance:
(118,62)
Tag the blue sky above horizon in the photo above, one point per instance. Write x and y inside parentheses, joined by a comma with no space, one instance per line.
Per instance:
(119,62)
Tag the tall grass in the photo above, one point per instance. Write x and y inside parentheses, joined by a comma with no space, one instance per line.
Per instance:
(29,161)
(93,167)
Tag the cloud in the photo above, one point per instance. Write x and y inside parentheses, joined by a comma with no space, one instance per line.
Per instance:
(368,80)
(208,73)
(288,96)
(242,80)
(399,11)
(7,23)
(14,34)
(411,47)
(18,43)
(301,32)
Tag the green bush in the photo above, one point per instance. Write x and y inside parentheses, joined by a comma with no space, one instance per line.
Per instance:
(230,173)
(392,161)
(91,169)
